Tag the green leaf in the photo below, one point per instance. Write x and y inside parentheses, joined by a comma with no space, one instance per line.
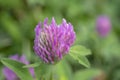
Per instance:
(16,66)
(81,59)
(31,65)
(80,50)
(78,53)
(84,61)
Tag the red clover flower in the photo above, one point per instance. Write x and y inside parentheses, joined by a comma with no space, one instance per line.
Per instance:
(53,41)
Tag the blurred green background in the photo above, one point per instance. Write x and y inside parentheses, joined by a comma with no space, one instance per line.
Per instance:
(18,19)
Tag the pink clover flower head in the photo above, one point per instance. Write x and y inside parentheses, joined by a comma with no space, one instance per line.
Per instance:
(103,26)
(53,41)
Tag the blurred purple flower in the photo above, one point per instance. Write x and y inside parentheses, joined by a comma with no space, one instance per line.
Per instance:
(53,41)
(9,74)
(103,25)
